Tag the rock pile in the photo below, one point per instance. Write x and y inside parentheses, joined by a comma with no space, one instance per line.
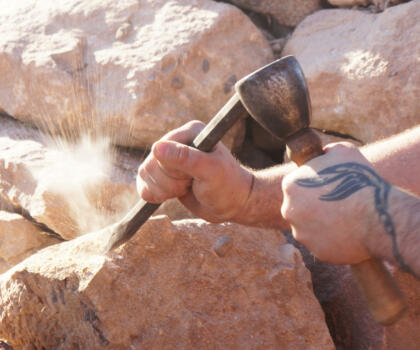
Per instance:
(102,81)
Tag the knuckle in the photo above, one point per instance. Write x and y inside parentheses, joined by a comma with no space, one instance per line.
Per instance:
(153,195)
(185,133)
(343,146)
(142,173)
(193,124)
(180,189)
(284,210)
(145,193)
(299,236)
(182,154)
(288,184)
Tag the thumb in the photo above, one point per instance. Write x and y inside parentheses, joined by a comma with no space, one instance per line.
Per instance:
(183,158)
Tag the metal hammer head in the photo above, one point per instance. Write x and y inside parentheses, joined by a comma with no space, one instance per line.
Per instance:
(277,97)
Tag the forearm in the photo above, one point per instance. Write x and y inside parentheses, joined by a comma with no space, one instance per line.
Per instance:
(396,159)
(398,240)
(265,199)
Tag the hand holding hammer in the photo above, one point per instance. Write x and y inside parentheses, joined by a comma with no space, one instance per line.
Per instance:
(276,96)
(281,104)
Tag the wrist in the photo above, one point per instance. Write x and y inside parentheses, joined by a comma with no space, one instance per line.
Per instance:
(394,241)
(240,215)
(262,207)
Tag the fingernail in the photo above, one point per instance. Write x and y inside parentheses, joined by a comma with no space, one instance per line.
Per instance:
(160,149)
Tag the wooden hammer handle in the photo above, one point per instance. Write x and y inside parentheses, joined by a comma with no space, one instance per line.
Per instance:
(384,299)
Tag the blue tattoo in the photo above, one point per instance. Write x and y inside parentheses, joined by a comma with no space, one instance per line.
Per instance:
(353,177)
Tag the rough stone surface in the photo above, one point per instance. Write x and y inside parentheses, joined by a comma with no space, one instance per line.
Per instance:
(349,321)
(379,4)
(286,12)
(165,289)
(19,239)
(71,188)
(131,70)
(362,69)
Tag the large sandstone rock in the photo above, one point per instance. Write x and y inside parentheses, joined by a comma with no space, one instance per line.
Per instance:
(346,312)
(286,12)
(362,69)
(19,239)
(71,188)
(131,69)
(181,285)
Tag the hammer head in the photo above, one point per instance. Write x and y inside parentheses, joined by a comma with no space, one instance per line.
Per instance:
(277,97)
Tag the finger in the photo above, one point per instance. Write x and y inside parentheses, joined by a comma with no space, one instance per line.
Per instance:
(148,189)
(169,184)
(175,156)
(186,133)
(339,146)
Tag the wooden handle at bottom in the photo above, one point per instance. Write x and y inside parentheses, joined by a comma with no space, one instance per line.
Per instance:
(385,300)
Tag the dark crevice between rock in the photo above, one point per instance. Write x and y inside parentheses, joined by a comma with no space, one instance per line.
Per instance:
(252,155)
(7,206)
(276,33)
(5,346)
(338,134)
(347,317)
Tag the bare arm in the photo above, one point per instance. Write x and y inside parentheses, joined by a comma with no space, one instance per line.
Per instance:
(396,159)
(216,187)
(399,241)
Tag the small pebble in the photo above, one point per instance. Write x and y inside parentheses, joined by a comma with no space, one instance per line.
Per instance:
(205,65)
(177,83)
(223,245)
(123,31)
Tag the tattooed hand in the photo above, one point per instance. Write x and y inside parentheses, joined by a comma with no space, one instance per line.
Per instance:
(333,203)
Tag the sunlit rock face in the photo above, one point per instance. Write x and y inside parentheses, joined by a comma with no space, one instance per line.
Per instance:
(131,70)
(362,69)
(174,285)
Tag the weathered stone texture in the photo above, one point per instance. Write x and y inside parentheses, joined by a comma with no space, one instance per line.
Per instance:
(132,70)
(167,288)
(362,69)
